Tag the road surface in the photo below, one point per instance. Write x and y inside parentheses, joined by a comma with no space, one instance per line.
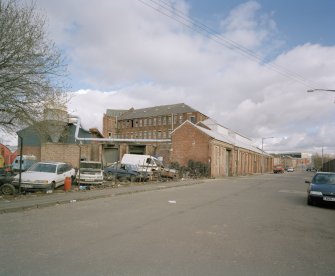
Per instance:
(254,225)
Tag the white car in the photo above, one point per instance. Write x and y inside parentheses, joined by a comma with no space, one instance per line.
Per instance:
(290,169)
(44,176)
(90,173)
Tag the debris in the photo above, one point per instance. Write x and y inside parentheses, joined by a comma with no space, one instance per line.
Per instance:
(49,191)
(73,200)
(172,201)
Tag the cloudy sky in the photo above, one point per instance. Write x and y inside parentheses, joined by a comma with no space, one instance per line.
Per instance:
(246,64)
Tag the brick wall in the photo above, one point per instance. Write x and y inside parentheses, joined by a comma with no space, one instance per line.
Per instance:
(31,150)
(65,153)
(109,125)
(189,143)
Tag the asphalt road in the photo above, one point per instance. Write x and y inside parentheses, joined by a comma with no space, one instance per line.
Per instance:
(257,225)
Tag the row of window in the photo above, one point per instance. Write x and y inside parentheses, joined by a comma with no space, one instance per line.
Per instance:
(155,121)
(147,135)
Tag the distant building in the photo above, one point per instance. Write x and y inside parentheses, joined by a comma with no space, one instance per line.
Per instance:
(148,123)
(153,123)
(296,160)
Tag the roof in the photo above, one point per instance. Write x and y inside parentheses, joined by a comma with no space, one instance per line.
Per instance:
(157,111)
(115,112)
(223,134)
(96,132)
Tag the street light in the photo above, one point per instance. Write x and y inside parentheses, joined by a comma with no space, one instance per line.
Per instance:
(263,152)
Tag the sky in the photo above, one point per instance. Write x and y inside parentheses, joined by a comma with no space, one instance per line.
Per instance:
(246,64)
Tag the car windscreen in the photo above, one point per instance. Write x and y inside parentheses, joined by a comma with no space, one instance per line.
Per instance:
(324,179)
(90,166)
(43,167)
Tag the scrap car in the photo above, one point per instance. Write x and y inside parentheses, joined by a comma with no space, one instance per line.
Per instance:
(90,173)
(125,172)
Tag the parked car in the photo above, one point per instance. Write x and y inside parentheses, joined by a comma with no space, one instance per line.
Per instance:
(278,169)
(290,169)
(321,189)
(6,179)
(124,172)
(90,173)
(26,163)
(44,176)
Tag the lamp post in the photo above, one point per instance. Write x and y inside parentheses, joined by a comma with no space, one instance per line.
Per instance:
(262,167)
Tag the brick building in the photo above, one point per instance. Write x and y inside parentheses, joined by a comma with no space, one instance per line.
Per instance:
(148,123)
(226,152)
(145,127)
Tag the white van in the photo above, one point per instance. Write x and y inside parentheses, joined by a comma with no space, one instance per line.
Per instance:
(145,163)
(27,161)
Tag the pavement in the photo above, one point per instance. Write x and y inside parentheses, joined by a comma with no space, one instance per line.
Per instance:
(19,203)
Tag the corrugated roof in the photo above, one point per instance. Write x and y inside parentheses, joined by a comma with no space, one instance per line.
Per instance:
(230,136)
(157,111)
(220,136)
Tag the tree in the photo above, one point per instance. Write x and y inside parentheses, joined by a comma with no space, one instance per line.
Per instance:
(32,69)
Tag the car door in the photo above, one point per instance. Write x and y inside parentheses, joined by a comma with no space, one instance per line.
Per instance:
(69,171)
(63,171)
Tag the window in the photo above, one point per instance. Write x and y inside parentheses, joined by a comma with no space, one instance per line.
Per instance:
(149,121)
(180,118)
(169,120)
(159,121)
(192,119)
(164,120)
(154,123)
(145,122)
(140,123)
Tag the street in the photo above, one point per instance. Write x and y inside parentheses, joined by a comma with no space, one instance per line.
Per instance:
(252,225)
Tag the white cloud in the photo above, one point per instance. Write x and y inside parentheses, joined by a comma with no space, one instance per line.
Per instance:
(147,59)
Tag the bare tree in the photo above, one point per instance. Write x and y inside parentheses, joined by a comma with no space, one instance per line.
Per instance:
(32,69)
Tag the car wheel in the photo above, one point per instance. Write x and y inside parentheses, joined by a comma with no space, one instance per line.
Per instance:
(51,189)
(7,189)
(110,176)
(309,201)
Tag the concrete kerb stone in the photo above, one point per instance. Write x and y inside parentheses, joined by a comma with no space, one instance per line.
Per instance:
(91,196)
